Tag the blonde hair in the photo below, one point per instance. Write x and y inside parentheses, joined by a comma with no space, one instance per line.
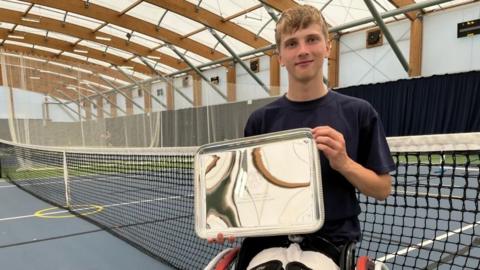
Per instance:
(297,18)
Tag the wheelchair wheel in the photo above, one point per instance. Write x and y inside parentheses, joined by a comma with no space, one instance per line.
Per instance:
(347,257)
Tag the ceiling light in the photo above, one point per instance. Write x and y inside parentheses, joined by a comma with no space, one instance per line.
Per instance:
(34,78)
(154,57)
(15,36)
(127,67)
(26,19)
(80,51)
(103,38)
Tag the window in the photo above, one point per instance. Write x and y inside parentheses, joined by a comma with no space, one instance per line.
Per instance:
(374,38)
(215,80)
(255,65)
(185,82)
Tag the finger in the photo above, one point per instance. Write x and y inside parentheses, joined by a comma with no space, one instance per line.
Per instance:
(327,151)
(334,140)
(323,136)
(220,238)
(328,132)
(322,129)
(328,142)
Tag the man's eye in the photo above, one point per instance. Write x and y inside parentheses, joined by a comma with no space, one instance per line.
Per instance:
(290,44)
(312,39)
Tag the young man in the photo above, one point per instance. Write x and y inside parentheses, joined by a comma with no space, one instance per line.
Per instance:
(347,130)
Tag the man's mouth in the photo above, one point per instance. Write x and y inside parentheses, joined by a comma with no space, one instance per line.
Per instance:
(303,63)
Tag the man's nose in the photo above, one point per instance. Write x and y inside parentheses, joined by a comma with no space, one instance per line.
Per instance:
(302,49)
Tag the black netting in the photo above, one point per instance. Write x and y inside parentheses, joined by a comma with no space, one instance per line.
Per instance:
(431,220)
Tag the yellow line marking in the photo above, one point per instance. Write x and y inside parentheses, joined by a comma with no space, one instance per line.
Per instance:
(44,213)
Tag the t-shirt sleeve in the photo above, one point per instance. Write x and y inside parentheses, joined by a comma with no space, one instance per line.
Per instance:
(374,151)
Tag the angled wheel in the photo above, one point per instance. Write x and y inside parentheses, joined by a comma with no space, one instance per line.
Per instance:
(223,259)
(347,257)
(227,259)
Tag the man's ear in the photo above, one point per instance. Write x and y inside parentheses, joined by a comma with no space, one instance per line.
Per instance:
(279,58)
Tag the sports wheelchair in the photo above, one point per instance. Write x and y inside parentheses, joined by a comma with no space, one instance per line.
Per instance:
(344,257)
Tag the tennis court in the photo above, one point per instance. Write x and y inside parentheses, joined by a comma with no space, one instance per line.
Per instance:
(145,197)
(431,222)
(35,235)
(104,104)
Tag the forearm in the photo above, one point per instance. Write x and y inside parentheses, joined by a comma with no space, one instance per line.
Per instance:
(367,181)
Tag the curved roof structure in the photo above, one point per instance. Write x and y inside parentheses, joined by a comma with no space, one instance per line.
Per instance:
(146,38)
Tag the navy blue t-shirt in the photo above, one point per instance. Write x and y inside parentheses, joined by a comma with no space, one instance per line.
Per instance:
(365,142)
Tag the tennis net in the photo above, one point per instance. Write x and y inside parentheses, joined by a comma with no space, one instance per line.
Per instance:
(145,196)
(431,220)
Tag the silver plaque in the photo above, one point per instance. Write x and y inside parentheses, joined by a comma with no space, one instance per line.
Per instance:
(257,186)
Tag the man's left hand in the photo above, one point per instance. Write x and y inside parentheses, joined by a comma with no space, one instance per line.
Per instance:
(332,145)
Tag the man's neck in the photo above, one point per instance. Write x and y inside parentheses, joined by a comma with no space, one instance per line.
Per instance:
(298,91)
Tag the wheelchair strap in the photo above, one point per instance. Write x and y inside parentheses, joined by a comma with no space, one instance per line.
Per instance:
(322,245)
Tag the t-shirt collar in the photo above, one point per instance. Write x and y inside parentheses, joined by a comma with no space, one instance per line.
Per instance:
(305,105)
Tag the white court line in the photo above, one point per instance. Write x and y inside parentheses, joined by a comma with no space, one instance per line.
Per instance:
(461,168)
(433,195)
(12,218)
(104,206)
(427,242)
(146,201)
(54,182)
(29,216)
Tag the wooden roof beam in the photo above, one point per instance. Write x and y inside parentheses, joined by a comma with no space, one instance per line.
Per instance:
(211,20)
(282,5)
(43,84)
(401,3)
(416,47)
(67,47)
(225,19)
(416,36)
(50,68)
(108,15)
(84,33)
(63,59)
(334,60)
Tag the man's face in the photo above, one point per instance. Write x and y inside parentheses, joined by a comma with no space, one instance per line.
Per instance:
(302,53)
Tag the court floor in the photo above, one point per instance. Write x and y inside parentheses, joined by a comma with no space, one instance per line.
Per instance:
(28,241)
(73,243)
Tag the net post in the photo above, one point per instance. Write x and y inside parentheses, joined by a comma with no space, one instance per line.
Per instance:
(65,179)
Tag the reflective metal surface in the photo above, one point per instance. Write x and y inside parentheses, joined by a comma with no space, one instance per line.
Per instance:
(263,185)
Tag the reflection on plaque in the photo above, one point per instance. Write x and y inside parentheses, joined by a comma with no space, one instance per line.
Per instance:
(262,185)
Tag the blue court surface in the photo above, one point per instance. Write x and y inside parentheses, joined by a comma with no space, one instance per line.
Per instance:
(431,221)
(29,241)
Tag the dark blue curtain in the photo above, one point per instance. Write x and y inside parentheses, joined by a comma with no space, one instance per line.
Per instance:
(433,105)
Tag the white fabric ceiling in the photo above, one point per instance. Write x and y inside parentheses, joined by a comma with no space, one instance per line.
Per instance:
(248,14)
